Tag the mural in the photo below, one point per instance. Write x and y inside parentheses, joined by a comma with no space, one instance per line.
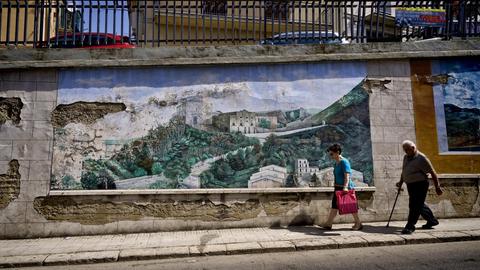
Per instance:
(457,106)
(211,127)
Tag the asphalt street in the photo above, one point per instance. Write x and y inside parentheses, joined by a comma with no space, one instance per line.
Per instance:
(448,256)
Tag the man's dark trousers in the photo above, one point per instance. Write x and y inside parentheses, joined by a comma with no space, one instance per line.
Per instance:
(417,194)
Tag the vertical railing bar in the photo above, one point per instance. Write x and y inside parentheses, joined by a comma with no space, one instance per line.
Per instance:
(203,24)
(35,25)
(57,19)
(152,8)
(333,19)
(218,23)
(378,19)
(210,16)
(81,23)
(247,27)
(17,20)
(1,20)
(98,22)
(42,23)
(174,36)
(345,21)
(49,22)
(115,22)
(254,20)
(157,5)
(74,23)
(383,19)
(364,11)
(189,20)
(25,23)
(263,19)
(225,22)
(106,23)
(166,21)
(181,22)
(122,16)
(233,22)
(326,20)
(320,24)
(90,15)
(299,19)
(145,15)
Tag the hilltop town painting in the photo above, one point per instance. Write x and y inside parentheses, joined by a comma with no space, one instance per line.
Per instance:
(457,105)
(264,126)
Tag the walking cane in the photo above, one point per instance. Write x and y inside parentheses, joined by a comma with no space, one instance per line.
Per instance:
(393,208)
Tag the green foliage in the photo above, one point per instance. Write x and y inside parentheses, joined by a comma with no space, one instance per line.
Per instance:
(68,182)
(264,123)
(139,172)
(157,168)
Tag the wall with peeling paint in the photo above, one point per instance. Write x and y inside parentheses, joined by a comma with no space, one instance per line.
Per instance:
(34,210)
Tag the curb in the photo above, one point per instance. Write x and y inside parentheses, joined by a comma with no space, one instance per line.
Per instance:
(237,248)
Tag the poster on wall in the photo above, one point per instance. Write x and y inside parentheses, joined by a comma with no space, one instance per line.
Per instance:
(263,126)
(457,105)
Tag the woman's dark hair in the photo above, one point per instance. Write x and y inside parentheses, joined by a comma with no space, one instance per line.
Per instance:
(336,148)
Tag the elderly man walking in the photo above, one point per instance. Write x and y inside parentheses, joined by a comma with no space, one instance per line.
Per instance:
(416,167)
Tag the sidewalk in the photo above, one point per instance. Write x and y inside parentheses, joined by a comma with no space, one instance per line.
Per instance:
(111,248)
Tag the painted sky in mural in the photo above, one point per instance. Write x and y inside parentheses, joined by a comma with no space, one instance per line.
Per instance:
(457,106)
(214,127)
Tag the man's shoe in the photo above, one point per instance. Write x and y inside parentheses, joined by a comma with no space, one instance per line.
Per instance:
(429,225)
(325,227)
(407,231)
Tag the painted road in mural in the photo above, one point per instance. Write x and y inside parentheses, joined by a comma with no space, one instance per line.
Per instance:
(210,127)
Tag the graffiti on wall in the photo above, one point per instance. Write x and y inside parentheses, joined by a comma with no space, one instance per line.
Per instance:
(210,127)
(457,106)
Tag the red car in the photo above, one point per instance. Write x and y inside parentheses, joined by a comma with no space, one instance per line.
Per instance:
(90,41)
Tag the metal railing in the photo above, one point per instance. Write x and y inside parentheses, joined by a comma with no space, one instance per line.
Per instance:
(83,23)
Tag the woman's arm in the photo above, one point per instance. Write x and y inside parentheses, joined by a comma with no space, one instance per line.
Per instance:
(346,177)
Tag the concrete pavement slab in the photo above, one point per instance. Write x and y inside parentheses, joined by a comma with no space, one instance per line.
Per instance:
(216,249)
(82,258)
(420,238)
(153,253)
(451,236)
(383,240)
(350,242)
(244,248)
(277,246)
(320,243)
(475,234)
(22,261)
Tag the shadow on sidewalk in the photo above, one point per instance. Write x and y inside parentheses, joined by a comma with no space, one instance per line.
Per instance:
(381,229)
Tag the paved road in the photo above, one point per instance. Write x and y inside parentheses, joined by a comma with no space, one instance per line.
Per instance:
(448,256)
(263,136)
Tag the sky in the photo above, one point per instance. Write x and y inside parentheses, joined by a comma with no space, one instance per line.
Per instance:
(100,16)
(228,88)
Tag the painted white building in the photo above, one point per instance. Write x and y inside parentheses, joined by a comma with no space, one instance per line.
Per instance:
(270,176)
(244,122)
(303,169)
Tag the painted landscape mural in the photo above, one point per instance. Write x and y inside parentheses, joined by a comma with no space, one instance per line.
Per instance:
(210,127)
(457,105)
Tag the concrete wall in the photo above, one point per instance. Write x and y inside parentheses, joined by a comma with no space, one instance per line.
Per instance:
(34,211)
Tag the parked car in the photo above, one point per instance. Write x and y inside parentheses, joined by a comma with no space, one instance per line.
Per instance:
(90,41)
(305,37)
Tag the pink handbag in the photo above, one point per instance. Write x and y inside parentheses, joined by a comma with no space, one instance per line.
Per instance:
(346,202)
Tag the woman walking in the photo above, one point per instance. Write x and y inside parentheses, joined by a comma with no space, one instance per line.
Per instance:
(342,173)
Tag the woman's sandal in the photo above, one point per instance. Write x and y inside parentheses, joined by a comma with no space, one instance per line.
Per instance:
(359,228)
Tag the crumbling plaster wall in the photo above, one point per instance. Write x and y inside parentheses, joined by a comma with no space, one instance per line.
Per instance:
(35,213)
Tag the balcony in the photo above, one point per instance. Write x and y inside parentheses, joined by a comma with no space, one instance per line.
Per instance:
(103,24)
